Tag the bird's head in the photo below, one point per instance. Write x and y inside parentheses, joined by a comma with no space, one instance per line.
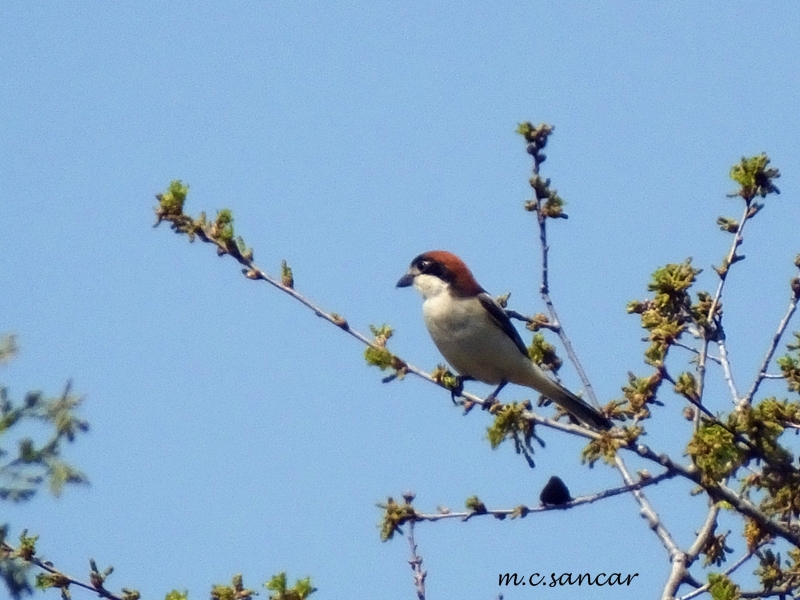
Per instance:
(438,271)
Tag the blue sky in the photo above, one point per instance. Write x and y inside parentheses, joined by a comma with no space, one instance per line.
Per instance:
(232,430)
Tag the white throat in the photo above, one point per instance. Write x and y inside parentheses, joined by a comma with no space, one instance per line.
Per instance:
(430,286)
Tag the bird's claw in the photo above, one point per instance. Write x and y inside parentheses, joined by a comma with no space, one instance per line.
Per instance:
(458,389)
(491,399)
(489,402)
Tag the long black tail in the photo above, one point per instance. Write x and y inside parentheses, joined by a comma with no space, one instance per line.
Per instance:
(577,407)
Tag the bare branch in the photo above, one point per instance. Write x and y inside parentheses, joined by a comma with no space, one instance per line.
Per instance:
(721,492)
(714,322)
(695,351)
(728,261)
(713,418)
(64,579)
(704,588)
(773,376)
(565,341)
(726,367)
(703,535)
(779,592)
(776,338)
(648,512)
(544,290)
(523,510)
(416,564)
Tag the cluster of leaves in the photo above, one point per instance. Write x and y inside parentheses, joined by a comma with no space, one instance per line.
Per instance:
(540,321)
(219,231)
(606,445)
(33,464)
(667,316)
(751,434)
(476,505)
(790,362)
(445,377)
(14,562)
(755,177)
(512,423)
(639,393)
(301,589)
(543,353)
(716,454)
(672,312)
(722,588)
(287,276)
(395,515)
(778,576)
(546,203)
(669,312)
(716,549)
(378,355)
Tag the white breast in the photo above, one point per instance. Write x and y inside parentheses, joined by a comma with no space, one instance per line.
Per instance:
(472,342)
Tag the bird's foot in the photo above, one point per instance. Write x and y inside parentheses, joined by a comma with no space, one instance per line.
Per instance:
(489,402)
(491,399)
(458,389)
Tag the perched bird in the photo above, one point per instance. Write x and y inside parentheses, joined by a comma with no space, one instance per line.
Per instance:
(476,336)
(555,493)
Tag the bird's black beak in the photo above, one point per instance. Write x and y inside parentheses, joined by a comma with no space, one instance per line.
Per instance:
(406,280)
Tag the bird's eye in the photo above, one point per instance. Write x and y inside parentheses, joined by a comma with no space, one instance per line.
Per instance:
(424,264)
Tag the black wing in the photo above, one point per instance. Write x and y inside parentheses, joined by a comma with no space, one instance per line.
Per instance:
(500,317)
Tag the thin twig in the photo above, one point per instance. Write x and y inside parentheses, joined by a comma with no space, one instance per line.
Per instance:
(679,573)
(714,322)
(67,579)
(762,370)
(524,510)
(704,588)
(701,378)
(544,290)
(722,492)
(695,351)
(648,512)
(416,564)
(573,357)
(565,341)
(513,314)
(773,376)
(729,260)
(779,592)
(726,367)
(699,405)
(703,535)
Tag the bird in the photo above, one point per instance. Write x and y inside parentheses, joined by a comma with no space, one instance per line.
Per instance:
(555,492)
(476,336)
